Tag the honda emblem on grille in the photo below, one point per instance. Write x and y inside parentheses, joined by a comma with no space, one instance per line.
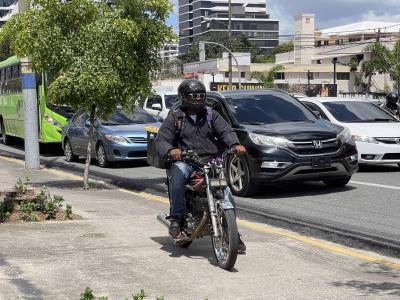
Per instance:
(317,144)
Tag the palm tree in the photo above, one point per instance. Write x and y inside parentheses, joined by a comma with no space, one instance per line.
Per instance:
(267,78)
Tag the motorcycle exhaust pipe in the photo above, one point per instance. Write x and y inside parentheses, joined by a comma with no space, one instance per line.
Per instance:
(162,218)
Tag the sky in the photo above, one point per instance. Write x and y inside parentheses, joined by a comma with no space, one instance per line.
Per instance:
(329,13)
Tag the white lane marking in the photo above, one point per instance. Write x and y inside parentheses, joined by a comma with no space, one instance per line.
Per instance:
(376,185)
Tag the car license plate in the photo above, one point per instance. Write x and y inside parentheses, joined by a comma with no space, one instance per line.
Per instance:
(321,162)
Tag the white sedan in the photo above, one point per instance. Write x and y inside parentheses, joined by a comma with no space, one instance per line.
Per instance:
(376,132)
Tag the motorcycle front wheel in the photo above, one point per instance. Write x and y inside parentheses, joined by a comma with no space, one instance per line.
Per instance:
(226,245)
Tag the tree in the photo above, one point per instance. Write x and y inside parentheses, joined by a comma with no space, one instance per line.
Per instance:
(270,59)
(5,49)
(267,78)
(237,43)
(99,56)
(395,62)
(379,62)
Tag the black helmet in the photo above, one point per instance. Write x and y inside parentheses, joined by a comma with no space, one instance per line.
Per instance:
(192,94)
(391,100)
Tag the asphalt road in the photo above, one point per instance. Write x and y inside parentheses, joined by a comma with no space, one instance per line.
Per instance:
(368,207)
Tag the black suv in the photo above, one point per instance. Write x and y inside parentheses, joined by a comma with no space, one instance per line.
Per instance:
(285,141)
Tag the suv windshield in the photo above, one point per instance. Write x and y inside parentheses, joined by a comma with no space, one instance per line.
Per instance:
(65,111)
(138,116)
(170,100)
(358,112)
(268,109)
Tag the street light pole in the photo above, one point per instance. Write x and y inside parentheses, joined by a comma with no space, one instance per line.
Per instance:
(230,52)
(31,126)
(230,36)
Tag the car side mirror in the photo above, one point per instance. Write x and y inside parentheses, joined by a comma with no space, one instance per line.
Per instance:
(156,106)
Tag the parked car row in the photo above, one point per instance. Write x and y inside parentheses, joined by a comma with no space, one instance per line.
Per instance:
(287,139)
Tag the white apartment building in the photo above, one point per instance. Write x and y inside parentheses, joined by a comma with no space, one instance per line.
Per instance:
(7,9)
(314,51)
(169,51)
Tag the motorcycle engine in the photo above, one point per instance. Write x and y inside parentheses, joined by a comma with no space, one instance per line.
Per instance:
(190,224)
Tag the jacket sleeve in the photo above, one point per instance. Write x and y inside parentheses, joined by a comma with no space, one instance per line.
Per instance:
(165,139)
(223,131)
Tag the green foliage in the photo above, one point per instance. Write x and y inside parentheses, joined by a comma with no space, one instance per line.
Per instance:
(41,199)
(160,298)
(378,62)
(395,62)
(87,295)
(22,185)
(5,49)
(68,211)
(53,206)
(268,78)
(270,59)
(139,296)
(237,43)
(26,209)
(96,54)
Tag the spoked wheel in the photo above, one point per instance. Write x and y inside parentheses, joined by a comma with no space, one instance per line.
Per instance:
(102,157)
(239,177)
(226,245)
(69,154)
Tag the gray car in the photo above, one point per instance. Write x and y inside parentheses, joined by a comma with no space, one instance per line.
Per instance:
(120,138)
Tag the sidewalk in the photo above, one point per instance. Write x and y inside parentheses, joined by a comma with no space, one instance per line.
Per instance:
(119,248)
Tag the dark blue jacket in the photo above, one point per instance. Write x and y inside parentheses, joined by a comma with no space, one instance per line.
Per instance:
(204,136)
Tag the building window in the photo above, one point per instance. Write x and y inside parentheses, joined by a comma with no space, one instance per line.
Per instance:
(280,76)
(242,74)
(310,75)
(308,20)
(319,62)
(326,43)
(319,43)
(226,74)
(343,76)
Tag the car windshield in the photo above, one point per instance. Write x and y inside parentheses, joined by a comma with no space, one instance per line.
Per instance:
(65,111)
(268,109)
(138,116)
(358,112)
(170,100)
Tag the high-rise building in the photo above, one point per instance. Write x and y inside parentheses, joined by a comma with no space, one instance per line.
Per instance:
(198,18)
(7,9)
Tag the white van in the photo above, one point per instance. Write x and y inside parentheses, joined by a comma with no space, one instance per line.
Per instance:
(159,104)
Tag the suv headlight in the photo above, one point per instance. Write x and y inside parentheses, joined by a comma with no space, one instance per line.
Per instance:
(117,139)
(271,141)
(344,135)
(365,139)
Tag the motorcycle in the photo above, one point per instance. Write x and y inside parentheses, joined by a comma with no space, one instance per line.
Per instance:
(209,210)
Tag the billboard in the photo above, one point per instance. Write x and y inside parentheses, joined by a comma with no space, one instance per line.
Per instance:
(224,86)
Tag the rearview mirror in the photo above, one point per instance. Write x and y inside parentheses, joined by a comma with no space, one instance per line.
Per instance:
(156,106)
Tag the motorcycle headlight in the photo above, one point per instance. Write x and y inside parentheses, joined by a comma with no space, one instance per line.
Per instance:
(116,139)
(271,141)
(344,135)
(365,139)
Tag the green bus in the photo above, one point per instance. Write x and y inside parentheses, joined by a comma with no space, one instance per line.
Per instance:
(51,117)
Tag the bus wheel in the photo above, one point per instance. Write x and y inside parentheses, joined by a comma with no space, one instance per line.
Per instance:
(5,138)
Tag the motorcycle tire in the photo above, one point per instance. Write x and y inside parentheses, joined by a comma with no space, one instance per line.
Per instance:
(183,244)
(226,247)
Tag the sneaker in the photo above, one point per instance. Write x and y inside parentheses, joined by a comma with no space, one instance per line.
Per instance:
(241,246)
(174,229)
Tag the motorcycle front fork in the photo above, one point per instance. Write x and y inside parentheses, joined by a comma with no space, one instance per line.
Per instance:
(211,206)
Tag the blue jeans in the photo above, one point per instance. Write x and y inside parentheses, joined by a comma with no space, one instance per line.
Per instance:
(179,176)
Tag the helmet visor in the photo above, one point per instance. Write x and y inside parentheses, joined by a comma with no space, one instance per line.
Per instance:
(196,96)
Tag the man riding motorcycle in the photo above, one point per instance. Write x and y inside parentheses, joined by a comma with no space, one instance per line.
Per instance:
(192,126)
(391,104)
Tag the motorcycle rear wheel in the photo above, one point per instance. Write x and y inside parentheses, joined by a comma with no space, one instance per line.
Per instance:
(226,246)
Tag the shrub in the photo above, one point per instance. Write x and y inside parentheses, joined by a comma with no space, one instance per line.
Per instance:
(41,199)
(26,209)
(22,185)
(53,206)
(68,211)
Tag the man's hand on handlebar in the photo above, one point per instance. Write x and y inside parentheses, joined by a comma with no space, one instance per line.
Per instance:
(175,154)
(239,149)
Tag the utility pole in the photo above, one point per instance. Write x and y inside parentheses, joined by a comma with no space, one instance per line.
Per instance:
(334,61)
(230,36)
(308,78)
(31,115)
